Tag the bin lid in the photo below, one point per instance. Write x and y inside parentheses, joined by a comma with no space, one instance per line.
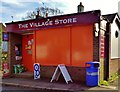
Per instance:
(93,63)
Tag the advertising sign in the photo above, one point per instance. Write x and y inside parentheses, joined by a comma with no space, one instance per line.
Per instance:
(4,46)
(5,36)
(36,71)
(5,67)
(61,69)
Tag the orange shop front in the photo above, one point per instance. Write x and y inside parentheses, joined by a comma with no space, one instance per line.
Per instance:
(66,39)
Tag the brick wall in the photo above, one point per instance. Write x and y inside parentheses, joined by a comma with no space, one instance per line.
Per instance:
(114,66)
(13,39)
(77,74)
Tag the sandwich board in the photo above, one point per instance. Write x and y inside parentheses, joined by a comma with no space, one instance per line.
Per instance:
(61,69)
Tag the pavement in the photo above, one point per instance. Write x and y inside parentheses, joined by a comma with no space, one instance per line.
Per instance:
(45,84)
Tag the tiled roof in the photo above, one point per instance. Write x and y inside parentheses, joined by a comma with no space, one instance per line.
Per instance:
(110,17)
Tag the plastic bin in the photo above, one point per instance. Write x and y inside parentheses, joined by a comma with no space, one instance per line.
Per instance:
(92,73)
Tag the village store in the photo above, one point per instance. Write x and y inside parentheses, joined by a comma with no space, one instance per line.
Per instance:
(72,39)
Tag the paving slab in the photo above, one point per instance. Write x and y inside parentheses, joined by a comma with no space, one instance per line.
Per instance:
(45,84)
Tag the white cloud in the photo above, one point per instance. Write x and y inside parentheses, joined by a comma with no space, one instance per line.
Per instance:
(3,10)
(106,6)
(19,1)
(11,1)
(20,15)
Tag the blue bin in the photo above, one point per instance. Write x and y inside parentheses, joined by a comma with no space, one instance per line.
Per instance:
(92,73)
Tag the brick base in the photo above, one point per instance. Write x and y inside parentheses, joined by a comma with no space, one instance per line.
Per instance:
(114,66)
(77,74)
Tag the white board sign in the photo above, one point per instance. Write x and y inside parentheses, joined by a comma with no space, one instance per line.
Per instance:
(61,69)
(36,71)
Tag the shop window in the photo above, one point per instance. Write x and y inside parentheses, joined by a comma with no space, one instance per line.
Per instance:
(28,46)
(18,52)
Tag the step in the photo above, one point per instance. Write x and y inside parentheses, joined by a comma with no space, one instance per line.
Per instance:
(24,75)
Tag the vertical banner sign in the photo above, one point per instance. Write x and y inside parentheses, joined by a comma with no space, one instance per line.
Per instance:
(36,71)
(102,49)
(102,53)
(102,39)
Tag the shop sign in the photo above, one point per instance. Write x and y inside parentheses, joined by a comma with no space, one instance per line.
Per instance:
(52,22)
(48,22)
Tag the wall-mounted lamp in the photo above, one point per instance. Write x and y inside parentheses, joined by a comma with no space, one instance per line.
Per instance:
(96,29)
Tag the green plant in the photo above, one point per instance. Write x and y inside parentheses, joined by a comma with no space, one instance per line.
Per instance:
(113,77)
(104,82)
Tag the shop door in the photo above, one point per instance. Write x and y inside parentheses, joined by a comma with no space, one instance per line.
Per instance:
(27,44)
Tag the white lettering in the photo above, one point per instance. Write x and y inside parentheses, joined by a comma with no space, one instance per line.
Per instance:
(48,23)
(74,20)
(69,20)
(60,21)
(56,21)
(39,24)
(19,25)
(65,21)
(31,24)
(92,74)
(36,25)
(23,25)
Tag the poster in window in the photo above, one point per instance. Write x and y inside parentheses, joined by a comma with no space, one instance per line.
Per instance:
(5,36)
(4,46)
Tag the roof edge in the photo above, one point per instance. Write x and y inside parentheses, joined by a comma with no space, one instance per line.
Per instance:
(94,11)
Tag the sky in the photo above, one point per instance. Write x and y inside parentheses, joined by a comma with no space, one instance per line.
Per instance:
(19,8)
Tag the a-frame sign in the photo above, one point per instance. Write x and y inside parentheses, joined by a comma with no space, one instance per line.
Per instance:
(61,69)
